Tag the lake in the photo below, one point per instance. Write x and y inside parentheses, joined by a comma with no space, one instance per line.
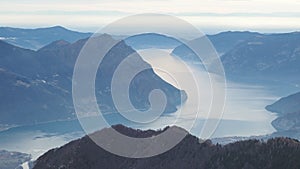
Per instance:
(244,112)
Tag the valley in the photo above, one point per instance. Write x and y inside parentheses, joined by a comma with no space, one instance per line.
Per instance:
(37,112)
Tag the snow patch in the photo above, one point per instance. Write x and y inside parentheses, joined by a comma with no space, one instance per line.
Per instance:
(7,38)
(21,83)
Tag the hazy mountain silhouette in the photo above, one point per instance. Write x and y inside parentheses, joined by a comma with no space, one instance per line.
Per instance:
(152,40)
(253,56)
(223,42)
(37,38)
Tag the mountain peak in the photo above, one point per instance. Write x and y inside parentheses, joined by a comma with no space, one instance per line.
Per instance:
(55,45)
(189,153)
(138,133)
(105,36)
(58,27)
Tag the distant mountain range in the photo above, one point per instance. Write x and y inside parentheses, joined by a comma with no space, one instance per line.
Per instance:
(223,42)
(270,60)
(253,54)
(152,40)
(191,153)
(246,56)
(36,85)
(264,59)
(36,38)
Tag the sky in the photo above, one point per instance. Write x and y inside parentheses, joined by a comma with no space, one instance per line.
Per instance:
(208,15)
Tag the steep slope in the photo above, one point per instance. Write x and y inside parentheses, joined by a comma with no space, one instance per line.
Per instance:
(47,78)
(288,121)
(26,101)
(18,60)
(26,95)
(59,59)
(267,56)
(37,38)
(285,105)
(263,59)
(225,41)
(190,153)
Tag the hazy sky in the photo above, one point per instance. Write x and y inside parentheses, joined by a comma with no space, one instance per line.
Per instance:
(208,15)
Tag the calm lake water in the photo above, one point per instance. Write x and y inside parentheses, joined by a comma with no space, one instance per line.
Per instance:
(244,107)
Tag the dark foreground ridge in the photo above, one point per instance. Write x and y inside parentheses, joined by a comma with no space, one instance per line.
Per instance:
(191,153)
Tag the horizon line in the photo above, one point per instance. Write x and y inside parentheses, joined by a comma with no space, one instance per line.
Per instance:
(85,29)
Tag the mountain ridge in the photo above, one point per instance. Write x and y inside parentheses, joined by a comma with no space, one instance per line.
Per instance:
(35,38)
(189,153)
(288,121)
(50,70)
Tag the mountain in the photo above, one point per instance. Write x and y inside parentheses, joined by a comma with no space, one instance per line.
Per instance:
(18,60)
(288,121)
(141,85)
(190,153)
(25,93)
(223,42)
(37,38)
(151,40)
(267,57)
(11,160)
(271,59)
(26,101)
(36,86)
(285,105)
(59,58)
(287,125)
